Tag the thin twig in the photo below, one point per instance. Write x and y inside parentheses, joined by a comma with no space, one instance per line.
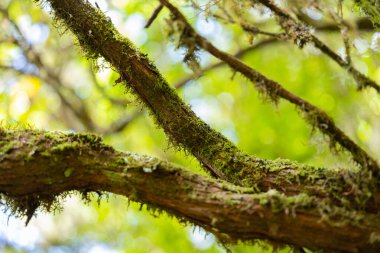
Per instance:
(154,16)
(360,78)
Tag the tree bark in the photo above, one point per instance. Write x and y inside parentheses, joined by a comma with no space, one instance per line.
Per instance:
(298,204)
(99,38)
(36,167)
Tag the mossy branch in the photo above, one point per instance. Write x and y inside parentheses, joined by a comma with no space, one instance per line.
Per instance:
(98,37)
(36,167)
(275,91)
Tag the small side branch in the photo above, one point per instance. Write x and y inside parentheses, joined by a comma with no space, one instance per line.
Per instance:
(291,25)
(154,16)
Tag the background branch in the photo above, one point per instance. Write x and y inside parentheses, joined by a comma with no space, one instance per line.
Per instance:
(68,97)
(303,35)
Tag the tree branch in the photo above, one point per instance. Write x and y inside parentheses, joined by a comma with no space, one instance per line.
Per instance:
(98,37)
(36,167)
(314,115)
(303,35)
(154,16)
(121,124)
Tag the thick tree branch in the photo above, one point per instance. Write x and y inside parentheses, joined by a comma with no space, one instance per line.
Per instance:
(98,37)
(38,166)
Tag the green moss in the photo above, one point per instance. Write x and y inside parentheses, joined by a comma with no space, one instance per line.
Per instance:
(6,147)
(26,206)
(45,153)
(68,146)
(374,238)
(371,8)
(121,161)
(187,131)
(280,202)
(50,135)
(68,172)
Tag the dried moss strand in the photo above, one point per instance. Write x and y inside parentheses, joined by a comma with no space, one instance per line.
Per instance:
(274,90)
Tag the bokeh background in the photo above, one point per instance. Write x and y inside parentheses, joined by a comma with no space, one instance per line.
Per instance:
(46,82)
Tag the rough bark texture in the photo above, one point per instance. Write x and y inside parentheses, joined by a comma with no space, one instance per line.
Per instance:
(38,166)
(285,202)
(99,38)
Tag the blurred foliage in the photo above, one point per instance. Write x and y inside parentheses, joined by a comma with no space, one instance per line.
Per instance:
(46,82)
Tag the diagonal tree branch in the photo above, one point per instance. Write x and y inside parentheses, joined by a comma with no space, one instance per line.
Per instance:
(36,167)
(274,90)
(121,124)
(98,37)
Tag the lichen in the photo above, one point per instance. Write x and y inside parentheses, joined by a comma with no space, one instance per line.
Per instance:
(299,33)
